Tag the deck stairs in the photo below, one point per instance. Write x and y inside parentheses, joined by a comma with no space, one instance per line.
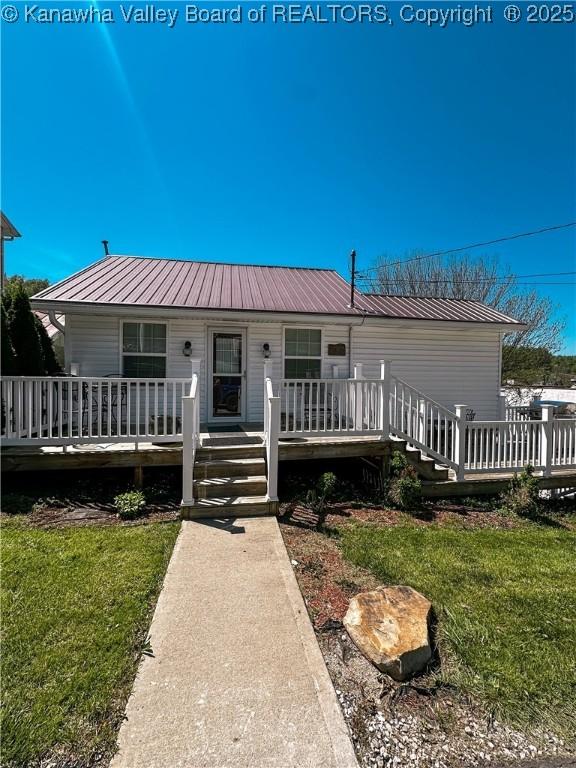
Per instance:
(230,479)
(426,467)
(230,476)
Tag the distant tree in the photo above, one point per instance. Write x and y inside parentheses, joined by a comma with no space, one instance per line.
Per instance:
(51,365)
(8,357)
(23,330)
(527,365)
(478,279)
(31,285)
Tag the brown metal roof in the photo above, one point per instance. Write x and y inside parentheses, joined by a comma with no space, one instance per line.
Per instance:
(150,282)
(51,330)
(431,308)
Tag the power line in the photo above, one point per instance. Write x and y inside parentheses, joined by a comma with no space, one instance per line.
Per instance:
(474,245)
(391,282)
(494,279)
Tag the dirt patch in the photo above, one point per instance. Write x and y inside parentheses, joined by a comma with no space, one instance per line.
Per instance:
(95,514)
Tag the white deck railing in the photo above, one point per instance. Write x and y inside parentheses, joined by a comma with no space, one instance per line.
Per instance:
(191,434)
(69,410)
(80,409)
(424,423)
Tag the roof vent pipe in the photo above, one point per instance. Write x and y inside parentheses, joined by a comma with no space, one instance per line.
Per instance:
(352,276)
(105,244)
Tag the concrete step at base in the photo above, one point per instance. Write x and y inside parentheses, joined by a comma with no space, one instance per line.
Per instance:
(216,487)
(231,506)
(228,468)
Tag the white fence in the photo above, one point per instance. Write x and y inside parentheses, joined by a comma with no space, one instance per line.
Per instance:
(67,410)
(70,410)
(388,405)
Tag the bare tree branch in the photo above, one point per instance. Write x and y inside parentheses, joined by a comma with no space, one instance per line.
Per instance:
(477,279)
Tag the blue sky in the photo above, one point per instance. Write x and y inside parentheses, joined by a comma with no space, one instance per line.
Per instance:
(289,143)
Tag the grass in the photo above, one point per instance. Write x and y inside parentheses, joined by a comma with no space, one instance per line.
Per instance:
(76,605)
(506,609)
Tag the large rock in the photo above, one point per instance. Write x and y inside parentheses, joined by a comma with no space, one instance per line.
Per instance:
(390,626)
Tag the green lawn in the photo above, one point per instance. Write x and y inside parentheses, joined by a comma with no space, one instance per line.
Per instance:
(506,606)
(76,606)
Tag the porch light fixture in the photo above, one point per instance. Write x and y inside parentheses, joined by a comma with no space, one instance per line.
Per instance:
(266,350)
(187,349)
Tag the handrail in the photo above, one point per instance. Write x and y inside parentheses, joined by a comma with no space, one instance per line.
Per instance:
(190,438)
(435,403)
(271,436)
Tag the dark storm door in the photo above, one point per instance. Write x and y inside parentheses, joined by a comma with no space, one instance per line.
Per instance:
(228,374)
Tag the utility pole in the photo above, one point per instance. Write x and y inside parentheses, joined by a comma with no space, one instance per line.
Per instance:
(352,276)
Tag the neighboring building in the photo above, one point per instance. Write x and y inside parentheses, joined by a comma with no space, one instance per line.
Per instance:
(134,316)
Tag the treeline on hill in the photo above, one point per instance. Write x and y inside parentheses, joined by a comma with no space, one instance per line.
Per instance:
(26,347)
(536,366)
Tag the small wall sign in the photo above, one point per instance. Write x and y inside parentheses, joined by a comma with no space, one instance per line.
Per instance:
(337,350)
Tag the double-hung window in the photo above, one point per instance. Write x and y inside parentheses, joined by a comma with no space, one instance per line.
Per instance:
(144,350)
(302,353)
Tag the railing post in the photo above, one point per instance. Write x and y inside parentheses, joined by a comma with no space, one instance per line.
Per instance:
(546,428)
(188,438)
(267,375)
(502,408)
(357,395)
(195,364)
(74,369)
(460,440)
(385,375)
(335,372)
(422,420)
(272,448)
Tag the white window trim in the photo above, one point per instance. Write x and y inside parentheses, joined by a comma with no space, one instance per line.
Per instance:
(301,357)
(145,321)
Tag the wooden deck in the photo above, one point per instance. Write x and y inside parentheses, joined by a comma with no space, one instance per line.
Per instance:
(126,455)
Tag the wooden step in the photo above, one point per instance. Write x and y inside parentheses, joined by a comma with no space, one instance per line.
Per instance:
(231,506)
(218,452)
(228,468)
(216,487)
(426,467)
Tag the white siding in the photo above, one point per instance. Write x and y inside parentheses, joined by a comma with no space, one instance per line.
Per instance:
(92,341)
(450,366)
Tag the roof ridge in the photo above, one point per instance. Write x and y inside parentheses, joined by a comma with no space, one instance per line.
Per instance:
(225,263)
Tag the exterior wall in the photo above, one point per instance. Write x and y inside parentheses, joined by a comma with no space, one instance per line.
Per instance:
(450,365)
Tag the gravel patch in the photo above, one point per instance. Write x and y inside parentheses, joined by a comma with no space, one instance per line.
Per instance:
(423,724)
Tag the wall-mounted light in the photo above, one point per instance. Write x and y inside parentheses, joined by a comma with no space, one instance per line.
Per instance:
(266,350)
(187,349)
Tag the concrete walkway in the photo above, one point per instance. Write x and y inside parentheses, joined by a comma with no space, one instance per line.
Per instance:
(237,678)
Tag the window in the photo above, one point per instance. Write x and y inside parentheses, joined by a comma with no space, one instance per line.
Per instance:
(302,353)
(144,350)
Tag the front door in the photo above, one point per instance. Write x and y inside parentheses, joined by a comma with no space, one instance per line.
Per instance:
(227,384)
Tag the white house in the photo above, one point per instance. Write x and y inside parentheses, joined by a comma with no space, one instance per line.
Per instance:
(161,352)
(132,316)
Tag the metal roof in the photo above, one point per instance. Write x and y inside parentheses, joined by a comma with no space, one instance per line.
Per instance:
(51,330)
(431,308)
(150,282)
